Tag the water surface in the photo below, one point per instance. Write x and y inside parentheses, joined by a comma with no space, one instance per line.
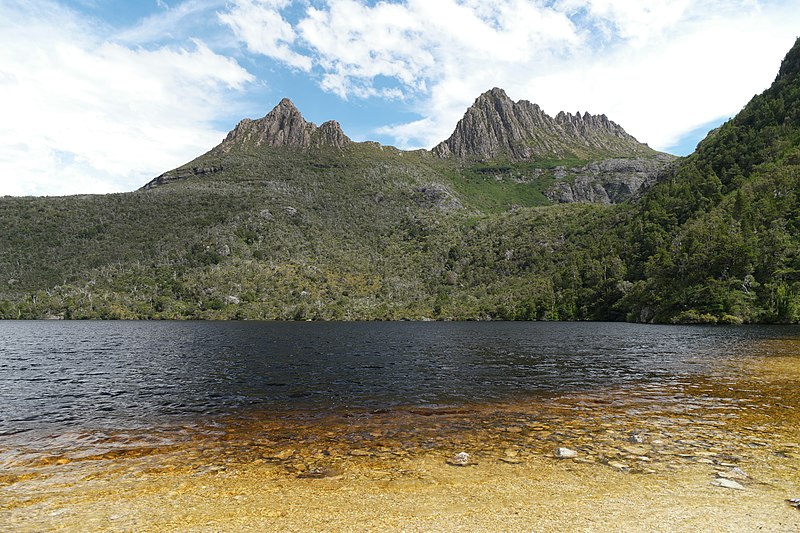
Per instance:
(234,425)
(58,376)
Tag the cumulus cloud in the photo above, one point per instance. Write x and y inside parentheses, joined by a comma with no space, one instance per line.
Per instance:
(259,23)
(659,68)
(83,113)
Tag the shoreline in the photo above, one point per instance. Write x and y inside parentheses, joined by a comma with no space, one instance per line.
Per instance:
(718,450)
(642,464)
(420,493)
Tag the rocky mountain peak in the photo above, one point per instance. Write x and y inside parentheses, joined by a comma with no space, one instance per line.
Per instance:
(497,127)
(330,134)
(284,126)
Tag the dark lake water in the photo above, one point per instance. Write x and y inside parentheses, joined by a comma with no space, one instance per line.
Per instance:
(74,376)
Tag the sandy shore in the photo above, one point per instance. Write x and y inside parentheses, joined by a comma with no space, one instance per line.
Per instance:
(415,494)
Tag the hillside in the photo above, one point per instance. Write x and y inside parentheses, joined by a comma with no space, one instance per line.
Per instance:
(721,237)
(517,215)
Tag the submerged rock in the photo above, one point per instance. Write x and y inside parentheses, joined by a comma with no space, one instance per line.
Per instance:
(460,459)
(727,484)
(636,438)
(635,450)
(283,454)
(565,453)
(733,473)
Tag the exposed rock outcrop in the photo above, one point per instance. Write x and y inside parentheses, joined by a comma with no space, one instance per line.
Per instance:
(284,126)
(610,181)
(182,173)
(437,195)
(330,134)
(497,127)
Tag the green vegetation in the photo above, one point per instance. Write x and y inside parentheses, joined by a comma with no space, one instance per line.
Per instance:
(371,232)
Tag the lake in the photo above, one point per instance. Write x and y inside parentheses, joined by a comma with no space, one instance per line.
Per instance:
(292,396)
(57,376)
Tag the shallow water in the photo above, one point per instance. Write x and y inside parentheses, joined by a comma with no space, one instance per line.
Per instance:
(104,401)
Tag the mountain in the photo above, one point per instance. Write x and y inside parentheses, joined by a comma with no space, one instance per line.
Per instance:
(497,127)
(720,237)
(283,126)
(516,216)
(572,158)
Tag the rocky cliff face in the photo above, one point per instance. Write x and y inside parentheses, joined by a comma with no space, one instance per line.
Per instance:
(610,181)
(497,127)
(284,126)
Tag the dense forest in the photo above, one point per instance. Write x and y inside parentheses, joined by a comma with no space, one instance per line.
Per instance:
(371,232)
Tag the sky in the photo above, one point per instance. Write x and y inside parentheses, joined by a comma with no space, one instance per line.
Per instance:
(100,96)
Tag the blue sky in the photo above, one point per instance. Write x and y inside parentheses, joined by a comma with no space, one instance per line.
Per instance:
(102,95)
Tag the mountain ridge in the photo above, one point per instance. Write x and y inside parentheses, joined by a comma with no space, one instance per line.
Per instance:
(495,126)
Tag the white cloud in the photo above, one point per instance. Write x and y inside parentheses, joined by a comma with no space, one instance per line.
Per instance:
(171,23)
(633,20)
(658,68)
(83,114)
(260,24)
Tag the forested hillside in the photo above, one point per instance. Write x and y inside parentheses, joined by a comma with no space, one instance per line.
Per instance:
(285,220)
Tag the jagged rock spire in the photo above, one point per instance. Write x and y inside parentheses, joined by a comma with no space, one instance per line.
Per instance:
(284,126)
(496,126)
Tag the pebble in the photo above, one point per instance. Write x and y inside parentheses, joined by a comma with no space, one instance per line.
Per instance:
(635,450)
(618,466)
(794,502)
(283,454)
(636,438)
(727,484)
(460,459)
(565,453)
(733,473)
